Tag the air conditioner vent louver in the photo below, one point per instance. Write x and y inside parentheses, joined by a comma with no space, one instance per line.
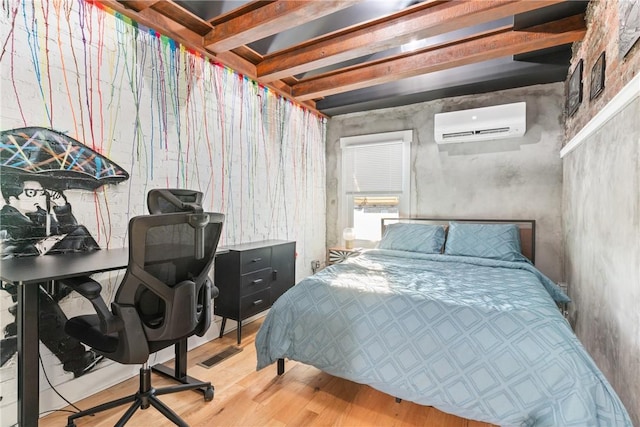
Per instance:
(481,124)
(476,132)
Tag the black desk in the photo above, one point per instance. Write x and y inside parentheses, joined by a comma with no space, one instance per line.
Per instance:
(27,271)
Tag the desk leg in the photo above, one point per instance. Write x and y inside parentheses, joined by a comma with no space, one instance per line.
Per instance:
(28,368)
(179,373)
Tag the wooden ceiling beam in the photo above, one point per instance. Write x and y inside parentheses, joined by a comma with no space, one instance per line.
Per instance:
(427,19)
(139,5)
(238,11)
(491,45)
(268,20)
(182,16)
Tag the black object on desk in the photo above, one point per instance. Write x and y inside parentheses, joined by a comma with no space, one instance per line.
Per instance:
(251,277)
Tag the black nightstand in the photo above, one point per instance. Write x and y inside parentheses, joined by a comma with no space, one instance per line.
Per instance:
(251,277)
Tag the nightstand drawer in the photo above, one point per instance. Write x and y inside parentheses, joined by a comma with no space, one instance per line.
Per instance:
(255,260)
(254,282)
(255,303)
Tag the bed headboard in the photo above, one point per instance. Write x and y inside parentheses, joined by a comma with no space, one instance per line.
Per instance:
(527,229)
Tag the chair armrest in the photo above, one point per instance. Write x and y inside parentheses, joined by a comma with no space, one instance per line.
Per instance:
(84,285)
(90,289)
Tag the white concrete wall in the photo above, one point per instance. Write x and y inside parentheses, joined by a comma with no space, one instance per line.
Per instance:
(601,216)
(171,119)
(601,199)
(517,178)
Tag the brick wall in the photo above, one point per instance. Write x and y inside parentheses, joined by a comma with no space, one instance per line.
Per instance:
(603,26)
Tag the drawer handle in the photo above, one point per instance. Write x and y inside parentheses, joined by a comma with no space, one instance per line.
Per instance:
(256,260)
(255,282)
(257,302)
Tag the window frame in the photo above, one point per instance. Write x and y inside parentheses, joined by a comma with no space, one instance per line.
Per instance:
(345,201)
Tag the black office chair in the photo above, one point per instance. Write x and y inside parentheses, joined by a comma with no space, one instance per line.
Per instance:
(168,200)
(156,304)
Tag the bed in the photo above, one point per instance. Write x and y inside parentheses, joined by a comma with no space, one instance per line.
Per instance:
(450,314)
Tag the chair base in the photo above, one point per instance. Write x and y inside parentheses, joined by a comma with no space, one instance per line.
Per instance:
(145,397)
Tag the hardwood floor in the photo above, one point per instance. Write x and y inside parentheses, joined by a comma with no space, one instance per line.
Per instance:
(303,396)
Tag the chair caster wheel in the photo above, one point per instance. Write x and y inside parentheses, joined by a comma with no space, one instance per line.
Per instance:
(208,394)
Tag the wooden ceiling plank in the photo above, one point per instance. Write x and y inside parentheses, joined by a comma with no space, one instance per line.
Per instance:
(467,51)
(182,16)
(268,20)
(247,53)
(398,29)
(238,11)
(139,5)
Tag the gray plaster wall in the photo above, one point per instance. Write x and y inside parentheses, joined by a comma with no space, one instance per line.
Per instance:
(601,216)
(518,178)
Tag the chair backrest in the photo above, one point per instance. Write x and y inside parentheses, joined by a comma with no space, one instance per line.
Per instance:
(170,256)
(168,200)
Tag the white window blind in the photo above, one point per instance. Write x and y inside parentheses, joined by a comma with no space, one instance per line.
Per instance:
(373,168)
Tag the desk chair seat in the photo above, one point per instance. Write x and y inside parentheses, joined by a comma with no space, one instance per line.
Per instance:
(165,297)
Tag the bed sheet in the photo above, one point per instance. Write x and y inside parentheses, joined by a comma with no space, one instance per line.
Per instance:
(478,338)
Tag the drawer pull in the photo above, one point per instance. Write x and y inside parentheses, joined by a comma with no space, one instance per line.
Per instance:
(256,260)
(255,282)
(257,302)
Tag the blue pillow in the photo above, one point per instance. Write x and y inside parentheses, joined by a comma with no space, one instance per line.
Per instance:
(495,241)
(423,238)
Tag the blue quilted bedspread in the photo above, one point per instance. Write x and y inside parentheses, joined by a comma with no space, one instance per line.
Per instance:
(474,337)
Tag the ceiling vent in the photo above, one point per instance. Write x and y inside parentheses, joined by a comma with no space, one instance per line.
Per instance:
(481,124)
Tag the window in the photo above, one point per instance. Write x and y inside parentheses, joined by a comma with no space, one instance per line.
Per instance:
(369,210)
(374,182)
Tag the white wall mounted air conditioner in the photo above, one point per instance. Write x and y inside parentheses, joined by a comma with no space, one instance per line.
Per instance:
(481,124)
